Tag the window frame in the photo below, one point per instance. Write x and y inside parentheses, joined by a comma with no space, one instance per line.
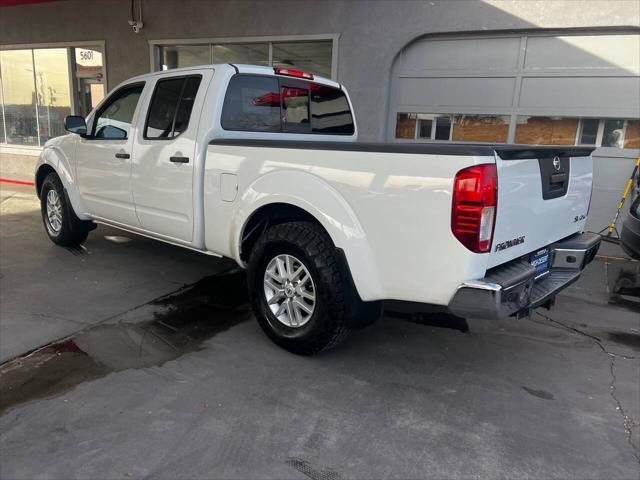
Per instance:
(107,103)
(150,103)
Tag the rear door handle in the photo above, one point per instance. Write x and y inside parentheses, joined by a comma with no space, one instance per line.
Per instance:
(179,159)
(123,155)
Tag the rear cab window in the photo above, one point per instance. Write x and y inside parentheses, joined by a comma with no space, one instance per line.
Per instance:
(257,103)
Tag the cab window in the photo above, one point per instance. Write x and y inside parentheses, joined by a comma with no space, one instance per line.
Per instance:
(113,121)
(295,110)
(252,103)
(330,112)
(171,107)
(257,103)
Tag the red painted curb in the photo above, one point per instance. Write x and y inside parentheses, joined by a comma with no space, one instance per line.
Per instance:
(16,182)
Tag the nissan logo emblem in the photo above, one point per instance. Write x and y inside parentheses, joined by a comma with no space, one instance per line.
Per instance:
(556,163)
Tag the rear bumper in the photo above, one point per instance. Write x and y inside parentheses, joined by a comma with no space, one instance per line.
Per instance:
(511,288)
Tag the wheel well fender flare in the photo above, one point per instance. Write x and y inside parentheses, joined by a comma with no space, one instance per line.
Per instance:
(321,203)
(53,159)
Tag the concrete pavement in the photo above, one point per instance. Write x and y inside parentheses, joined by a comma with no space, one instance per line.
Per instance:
(185,385)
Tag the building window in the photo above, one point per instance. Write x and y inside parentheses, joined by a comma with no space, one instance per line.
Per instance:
(588,131)
(481,128)
(249,53)
(613,133)
(19,97)
(632,134)
(529,130)
(546,130)
(178,56)
(406,126)
(457,128)
(609,132)
(309,55)
(40,87)
(425,126)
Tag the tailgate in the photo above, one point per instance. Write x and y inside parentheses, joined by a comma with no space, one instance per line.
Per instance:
(543,197)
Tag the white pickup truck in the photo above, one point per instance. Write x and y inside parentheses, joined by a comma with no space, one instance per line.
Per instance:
(261,165)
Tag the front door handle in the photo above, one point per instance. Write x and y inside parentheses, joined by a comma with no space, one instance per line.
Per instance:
(123,155)
(179,159)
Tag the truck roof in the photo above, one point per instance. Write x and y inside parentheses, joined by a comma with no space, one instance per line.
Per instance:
(241,68)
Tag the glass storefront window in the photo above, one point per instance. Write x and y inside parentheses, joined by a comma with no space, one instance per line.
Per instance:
(307,56)
(178,56)
(40,87)
(18,84)
(53,91)
(3,136)
(311,56)
(249,53)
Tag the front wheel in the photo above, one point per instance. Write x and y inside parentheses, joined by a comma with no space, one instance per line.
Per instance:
(298,287)
(60,221)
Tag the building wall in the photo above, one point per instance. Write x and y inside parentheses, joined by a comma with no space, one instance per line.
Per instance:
(371,33)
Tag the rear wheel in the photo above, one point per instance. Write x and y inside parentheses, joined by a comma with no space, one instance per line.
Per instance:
(299,290)
(60,221)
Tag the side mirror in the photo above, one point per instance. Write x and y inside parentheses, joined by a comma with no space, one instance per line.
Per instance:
(75,124)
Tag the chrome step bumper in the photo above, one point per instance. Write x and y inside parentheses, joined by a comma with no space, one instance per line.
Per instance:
(512,288)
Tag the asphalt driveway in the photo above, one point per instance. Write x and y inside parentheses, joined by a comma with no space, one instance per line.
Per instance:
(147,363)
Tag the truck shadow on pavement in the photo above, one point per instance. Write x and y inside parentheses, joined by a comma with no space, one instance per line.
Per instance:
(182,321)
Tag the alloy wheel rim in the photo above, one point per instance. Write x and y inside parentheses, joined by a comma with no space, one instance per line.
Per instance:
(289,290)
(54,212)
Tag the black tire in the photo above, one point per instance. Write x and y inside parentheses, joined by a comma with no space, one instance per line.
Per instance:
(70,230)
(329,323)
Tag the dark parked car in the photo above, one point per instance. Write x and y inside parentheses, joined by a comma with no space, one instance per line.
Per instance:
(630,237)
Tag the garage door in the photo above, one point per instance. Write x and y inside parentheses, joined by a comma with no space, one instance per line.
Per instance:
(535,89)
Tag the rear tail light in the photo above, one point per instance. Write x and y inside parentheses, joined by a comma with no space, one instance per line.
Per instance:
(473,216)
(293,73)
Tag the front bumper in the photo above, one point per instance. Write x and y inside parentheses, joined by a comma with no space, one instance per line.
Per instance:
(512,288)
